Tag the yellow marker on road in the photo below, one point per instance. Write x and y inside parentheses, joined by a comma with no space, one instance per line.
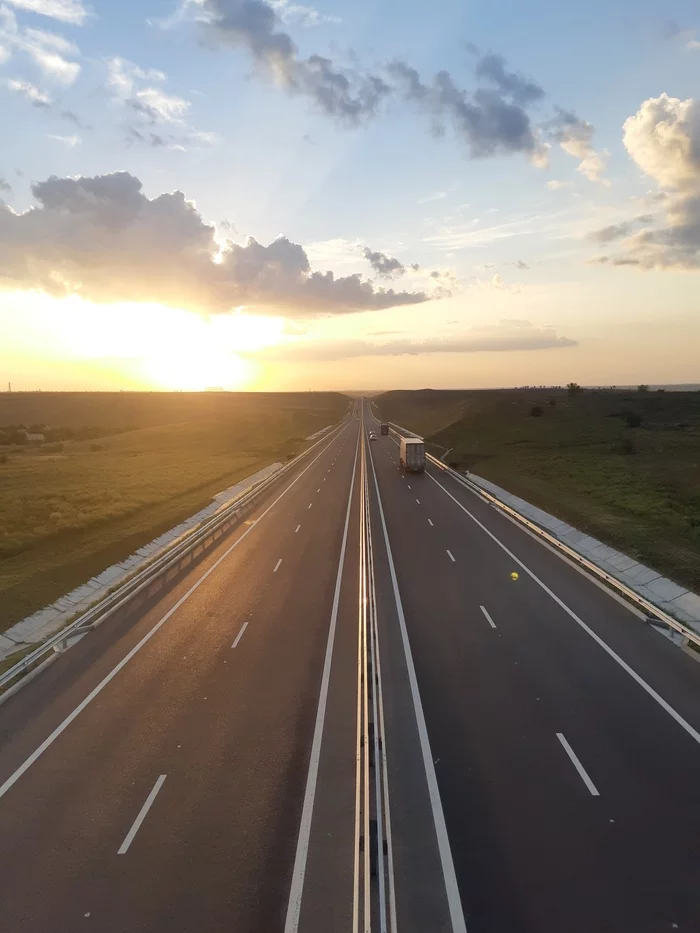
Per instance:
(514,576)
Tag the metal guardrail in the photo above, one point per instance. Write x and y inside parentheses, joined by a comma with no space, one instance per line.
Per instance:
(181,553)
(654,614)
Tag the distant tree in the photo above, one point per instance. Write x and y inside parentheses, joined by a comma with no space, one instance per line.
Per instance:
(633,419)
(552,402)
(536,411)
(573,388)
(642,388)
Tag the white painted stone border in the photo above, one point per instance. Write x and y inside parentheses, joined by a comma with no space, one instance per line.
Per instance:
(38,626)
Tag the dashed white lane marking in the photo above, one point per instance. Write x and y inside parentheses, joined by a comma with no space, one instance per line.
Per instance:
(319,489)
(409,485)
(240,634)
(450,555)
(491,622)
(309,505)
(577,764)
(430,523)
(277,565)
(418,501)
(297,529)
(124,847)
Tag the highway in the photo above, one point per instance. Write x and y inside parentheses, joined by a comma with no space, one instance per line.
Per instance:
(349,717)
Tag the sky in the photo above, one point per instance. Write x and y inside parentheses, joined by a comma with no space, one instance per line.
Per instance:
(264,194)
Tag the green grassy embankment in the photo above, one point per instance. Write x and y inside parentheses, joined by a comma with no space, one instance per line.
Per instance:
(622,466)
(69,509)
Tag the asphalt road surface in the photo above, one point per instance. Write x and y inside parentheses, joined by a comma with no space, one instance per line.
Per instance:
(201,767)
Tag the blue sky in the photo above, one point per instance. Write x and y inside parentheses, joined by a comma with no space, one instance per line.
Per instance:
(569,251)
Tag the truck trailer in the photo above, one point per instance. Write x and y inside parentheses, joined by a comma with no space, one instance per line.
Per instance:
(412,455)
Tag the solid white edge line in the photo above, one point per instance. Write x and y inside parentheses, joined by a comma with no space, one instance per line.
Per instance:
(240,635)
(448,869)
(28,762)
(490,620)
(291,924)
(124,847)
(603,644)
(431,523)
(577,764)
(277,565)
(451,555)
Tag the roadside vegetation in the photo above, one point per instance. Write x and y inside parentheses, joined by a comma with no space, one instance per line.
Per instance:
(623,466)
(106,479)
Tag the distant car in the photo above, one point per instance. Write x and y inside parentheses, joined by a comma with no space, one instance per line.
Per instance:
(372,436)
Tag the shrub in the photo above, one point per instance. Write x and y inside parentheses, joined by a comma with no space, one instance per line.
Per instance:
(633,419)
(536,411)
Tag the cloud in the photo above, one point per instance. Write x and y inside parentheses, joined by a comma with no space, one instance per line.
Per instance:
(663,139)
(386,266)
(158,107)
(346,94)
(4,186)
(437,196)
(615,231)
(555,185)
(507,336)
(102,238)
(575,138)
(67,11)
(73,118)
(519,264)
(522,91)
(69,141)
(47,49)
(305,16)
(30,92)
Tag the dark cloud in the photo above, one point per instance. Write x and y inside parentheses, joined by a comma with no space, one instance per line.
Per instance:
(492,68)
(615,231)
(386,266)
(102,238)
(519,264)
(4,186)
(346,94)
(507,336)
(486,121)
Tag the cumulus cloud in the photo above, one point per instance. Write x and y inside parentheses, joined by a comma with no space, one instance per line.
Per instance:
(556,185)
(102,238)
(575,136)
(615,231)
(663,139)
(301,15)
(30,92)
(384,265)
(47,49)
(507,336)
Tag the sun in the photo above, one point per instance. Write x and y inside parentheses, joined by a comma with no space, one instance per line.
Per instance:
(194,370)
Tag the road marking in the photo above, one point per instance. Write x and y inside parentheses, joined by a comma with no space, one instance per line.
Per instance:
(409,485)
(683,723)
(297,529)
(319,489)
(451,556)
(277,565)
(491,622)
(240,635)
(291,924)
(448,869)
(309,505)
(418,501)
(430,523)
(28,762)
(123,848)
(577,764)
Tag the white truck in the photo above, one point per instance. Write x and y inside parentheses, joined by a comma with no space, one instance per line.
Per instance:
(412,455)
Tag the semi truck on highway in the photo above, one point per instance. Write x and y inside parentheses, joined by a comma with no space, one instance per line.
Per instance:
(384,428)
(412,455)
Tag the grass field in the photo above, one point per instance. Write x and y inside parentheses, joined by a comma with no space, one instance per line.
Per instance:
(69,510)
(635,487)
